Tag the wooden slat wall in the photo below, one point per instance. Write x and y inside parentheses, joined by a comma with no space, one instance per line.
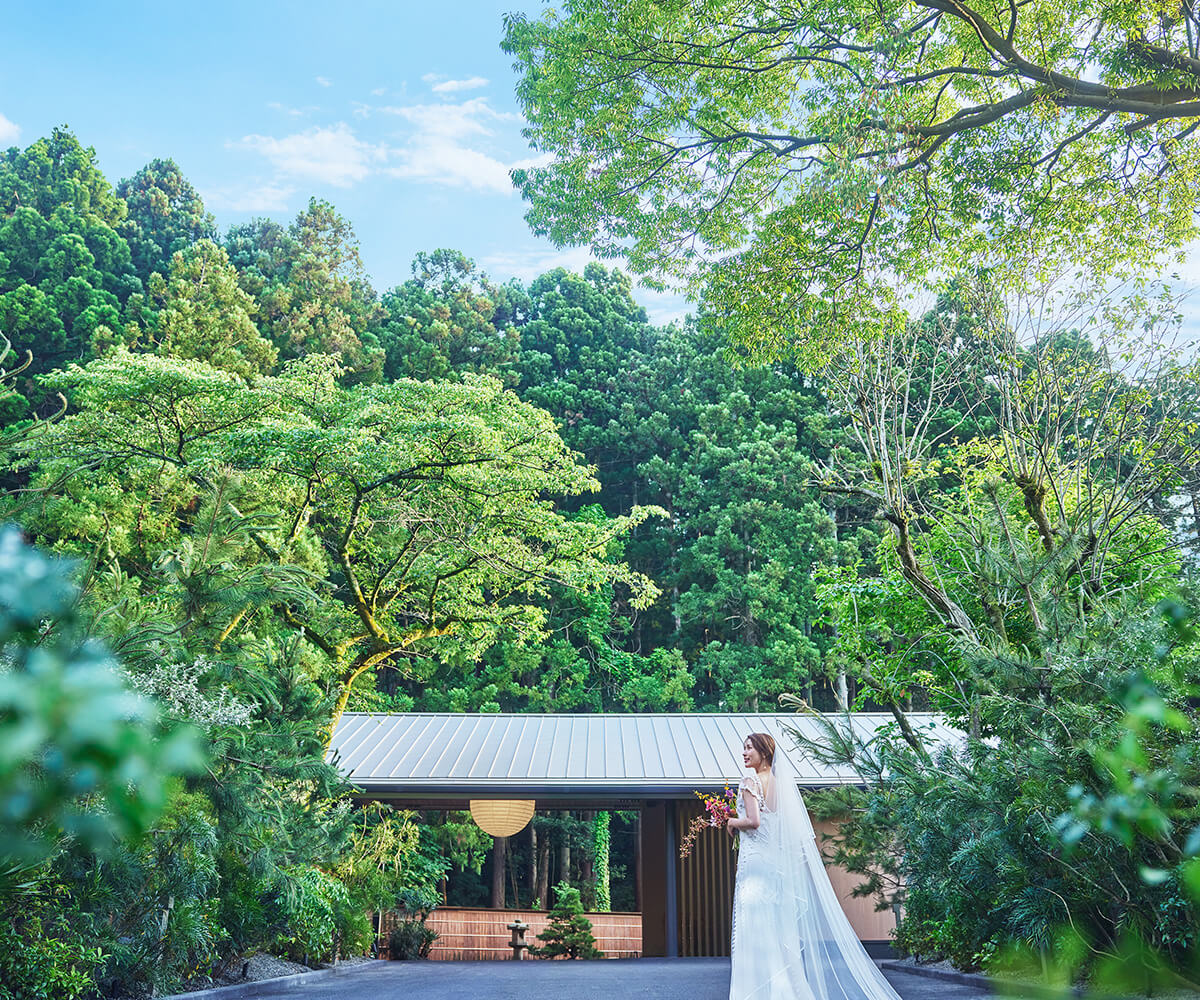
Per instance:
(466,934)
(706,879)
(705,883)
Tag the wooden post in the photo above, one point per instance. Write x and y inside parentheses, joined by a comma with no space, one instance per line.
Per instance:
(637,862)
(657,860)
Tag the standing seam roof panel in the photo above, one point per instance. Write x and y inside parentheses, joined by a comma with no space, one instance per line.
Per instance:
(527,745)
(669,761)
(681,738)
(560,749)
(627,727)
(506,752)
(724,750)
(456,736)
(577,749)
(488,749)
(596,759)
(349,730)
(472,733)
(392,749)
(377,758)
(729,729)
(371,733)
(426,739)
(648,744)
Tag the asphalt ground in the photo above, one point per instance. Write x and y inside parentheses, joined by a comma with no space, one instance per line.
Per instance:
(613,979)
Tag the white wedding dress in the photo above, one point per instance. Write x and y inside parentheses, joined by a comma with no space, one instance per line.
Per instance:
(791,938)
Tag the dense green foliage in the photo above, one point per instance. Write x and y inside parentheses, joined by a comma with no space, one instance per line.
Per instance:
(287,496)
(780,158)
(601,852)
(1018,590)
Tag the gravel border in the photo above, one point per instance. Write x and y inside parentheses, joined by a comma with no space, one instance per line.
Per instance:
(929,972)
(998,987)
(238,991)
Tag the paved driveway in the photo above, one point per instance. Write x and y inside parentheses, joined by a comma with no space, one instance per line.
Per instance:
(614,979)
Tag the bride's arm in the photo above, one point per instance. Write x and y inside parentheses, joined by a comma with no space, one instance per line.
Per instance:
(750,820)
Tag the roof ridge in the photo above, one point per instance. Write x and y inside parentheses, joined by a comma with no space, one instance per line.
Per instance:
(629,715)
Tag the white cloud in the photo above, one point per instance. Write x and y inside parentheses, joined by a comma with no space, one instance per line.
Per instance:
(662,307)
(333,155)
(324,81)
(443,147)
(269,197)
(541,160)
(290,112)
(453,120)
(525,265)
(379,91)
(10,132)
(454,166)
(453,86)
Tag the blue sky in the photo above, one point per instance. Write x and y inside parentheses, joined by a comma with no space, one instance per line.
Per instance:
(401,114)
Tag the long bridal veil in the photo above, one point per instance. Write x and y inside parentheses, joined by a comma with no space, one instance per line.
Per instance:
(818,954)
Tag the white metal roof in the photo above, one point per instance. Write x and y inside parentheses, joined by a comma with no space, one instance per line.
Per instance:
(629,755)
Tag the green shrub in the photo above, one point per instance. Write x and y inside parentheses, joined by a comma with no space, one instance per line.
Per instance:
(411,939)
(570,932)
(934,937)
(43,962)
(313,902)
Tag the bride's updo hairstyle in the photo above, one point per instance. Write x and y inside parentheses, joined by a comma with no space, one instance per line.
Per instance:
(764,744)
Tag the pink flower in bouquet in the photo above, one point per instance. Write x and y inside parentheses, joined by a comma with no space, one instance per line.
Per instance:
(718,810)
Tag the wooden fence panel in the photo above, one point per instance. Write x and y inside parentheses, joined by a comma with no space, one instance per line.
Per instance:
(466,934)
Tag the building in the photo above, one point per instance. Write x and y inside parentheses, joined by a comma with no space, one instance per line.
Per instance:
(649,762)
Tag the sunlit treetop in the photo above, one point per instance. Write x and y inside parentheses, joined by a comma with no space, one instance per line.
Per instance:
(778,156)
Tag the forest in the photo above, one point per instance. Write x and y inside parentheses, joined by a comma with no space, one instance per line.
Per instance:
(249,492)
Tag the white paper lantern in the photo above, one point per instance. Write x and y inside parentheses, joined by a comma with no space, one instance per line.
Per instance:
(502,817)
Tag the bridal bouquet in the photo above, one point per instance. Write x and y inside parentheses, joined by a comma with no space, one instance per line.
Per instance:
(718,810)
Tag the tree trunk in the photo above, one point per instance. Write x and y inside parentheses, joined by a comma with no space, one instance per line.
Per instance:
(533,860)
(953,616)
(512,878)
(163,920)
(542,892)
(564,855)
(499,853)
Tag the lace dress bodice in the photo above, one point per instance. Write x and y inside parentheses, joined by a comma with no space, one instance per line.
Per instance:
(756,879)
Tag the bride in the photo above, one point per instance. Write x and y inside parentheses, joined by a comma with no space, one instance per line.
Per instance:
(791,940)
